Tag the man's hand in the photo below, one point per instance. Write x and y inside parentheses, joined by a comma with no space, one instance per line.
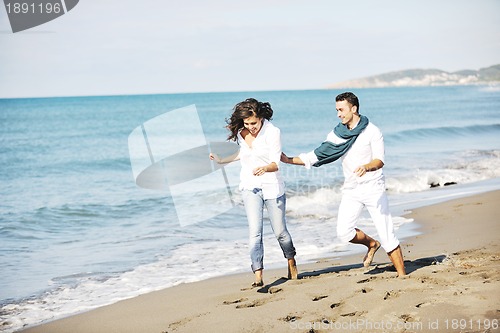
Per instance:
(374,165)
(360,171)
(284,158)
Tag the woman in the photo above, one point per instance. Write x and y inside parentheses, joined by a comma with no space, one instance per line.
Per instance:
(260,180)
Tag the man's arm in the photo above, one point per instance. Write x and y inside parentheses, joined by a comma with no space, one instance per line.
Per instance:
(374,165)
(305,159)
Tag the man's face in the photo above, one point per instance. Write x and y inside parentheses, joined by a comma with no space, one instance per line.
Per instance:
(345,111)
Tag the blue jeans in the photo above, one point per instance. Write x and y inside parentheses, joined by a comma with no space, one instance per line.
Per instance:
(254,207)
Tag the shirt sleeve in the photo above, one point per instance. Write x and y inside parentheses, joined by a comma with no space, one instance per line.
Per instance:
(377,145)
(309,159)
(274,143)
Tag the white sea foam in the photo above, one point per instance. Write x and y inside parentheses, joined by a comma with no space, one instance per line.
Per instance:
(469,167)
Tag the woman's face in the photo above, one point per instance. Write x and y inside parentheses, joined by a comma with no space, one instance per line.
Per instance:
(253,124)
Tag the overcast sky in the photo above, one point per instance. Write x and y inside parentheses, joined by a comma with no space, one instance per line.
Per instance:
(108,47)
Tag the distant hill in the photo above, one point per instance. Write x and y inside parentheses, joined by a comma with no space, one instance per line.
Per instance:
(424,77)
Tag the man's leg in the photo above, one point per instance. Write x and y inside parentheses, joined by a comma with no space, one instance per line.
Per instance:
(370,243)
(378,207)
(349,210)
(396,257)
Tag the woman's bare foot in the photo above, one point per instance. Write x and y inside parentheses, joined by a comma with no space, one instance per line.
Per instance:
(292,269)
(258,279)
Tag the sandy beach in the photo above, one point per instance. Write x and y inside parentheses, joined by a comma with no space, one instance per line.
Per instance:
(453,286)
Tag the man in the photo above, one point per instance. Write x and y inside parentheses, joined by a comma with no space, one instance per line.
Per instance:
(360,145)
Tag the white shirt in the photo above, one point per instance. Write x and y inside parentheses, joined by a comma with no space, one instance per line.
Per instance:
(368,146)
(266,148)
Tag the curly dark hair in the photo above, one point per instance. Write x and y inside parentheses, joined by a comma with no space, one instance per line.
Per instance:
(243,110)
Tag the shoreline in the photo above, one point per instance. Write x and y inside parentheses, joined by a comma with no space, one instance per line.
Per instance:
(453,268)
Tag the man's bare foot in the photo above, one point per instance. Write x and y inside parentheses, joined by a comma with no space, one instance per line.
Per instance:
(396,256)
(292,270)
(367,260)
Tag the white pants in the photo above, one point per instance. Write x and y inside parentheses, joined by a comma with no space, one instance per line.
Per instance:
(373,197)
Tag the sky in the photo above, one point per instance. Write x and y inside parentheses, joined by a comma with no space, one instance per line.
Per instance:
(119,47)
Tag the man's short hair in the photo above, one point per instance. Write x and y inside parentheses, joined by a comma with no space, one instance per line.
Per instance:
(350,98)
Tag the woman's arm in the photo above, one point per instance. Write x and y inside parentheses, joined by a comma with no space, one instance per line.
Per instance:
(291,160)
(225,160)
(271,167)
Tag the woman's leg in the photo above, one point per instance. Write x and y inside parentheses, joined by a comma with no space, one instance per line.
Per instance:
(254,204)
(276,209)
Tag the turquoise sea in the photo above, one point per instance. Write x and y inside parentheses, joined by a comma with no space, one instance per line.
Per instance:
(76,232)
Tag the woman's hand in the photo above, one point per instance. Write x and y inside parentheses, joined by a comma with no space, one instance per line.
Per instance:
(215,157)
(272,167)
(259,171)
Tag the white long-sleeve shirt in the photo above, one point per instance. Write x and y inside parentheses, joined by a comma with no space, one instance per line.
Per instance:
(266,148)
(368,146)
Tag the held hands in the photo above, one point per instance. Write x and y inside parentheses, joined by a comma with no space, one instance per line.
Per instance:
(291,160)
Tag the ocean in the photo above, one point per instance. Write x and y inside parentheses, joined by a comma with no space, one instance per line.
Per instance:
(77,232)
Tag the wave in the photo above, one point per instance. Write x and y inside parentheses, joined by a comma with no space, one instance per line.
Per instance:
(320,204)
(490,88)
(448,132)
(468,167)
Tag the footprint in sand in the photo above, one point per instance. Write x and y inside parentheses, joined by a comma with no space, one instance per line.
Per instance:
(407,318)
(290,318)
(421,305)
(317,298)
(239,300)
(335,305)
(366,280)
(274,290)
(252,304)
(352,314)
(390,294)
